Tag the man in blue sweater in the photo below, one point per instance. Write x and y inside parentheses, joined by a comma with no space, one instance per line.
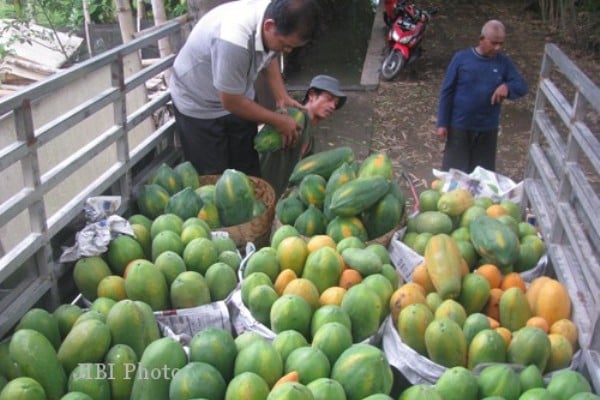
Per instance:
(477,80)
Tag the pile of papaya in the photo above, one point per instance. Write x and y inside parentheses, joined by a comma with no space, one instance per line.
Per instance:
(501,381)
(77,353)
(297,282)
(458,317)
(74,354)
(169,263)
(173,259)
(230,201)
(332,194)
(485,231)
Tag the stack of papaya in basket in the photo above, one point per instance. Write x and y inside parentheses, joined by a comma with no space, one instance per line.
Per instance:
(503,382)
(68,353)
(241,205)
(76,354)
(486,231)
(333,194)
(321,304)
(174,259)
(468,304)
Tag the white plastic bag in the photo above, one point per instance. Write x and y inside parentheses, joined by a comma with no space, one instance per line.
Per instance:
(481,183)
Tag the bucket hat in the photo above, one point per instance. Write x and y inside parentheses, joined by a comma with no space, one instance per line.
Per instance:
(328,84)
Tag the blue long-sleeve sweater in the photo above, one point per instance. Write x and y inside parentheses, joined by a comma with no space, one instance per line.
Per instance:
(470,81)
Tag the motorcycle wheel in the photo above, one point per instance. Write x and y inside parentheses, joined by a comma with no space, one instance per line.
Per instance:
(392,65)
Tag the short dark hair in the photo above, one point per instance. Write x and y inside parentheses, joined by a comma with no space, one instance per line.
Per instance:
(316,91)
(299,17)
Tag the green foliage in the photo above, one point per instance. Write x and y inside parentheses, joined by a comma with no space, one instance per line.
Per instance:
(69,13)
(173,8)
(101,11)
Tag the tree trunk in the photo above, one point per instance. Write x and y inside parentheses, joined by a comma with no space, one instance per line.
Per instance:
(160,17)
(86,27)
(141,11)
(125,20)
(164,46)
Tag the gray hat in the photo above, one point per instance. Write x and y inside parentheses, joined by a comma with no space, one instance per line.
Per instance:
(328,84)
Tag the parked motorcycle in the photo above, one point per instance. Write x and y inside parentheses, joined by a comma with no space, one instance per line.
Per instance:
(407,24)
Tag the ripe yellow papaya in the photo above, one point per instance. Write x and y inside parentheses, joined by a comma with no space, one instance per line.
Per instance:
(443,263)
(455,202)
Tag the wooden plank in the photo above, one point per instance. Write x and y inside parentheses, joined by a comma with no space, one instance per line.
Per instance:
(583,253)
(590,203)
(582,305)
(545,170)
(71,164)
(27,296)
(164,132)
(595,345)
(73,208)
(569,224)
(12,153)
(70,119)
(560,104)
(538,197)
(40,89)
(148,109)
(558,147)
(17,203)
(591,364)
(588,142)
(147,73)
(19,254)
(584,84)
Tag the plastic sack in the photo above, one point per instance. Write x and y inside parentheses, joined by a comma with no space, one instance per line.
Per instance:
(406,260)
(481,183)
(242,319)
(418,369)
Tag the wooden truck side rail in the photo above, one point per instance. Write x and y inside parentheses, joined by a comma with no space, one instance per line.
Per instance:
(562,183)
(115,163)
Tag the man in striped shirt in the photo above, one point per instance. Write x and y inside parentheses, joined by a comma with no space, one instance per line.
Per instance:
(212,84)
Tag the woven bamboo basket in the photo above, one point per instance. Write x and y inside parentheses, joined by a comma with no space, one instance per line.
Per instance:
(257,230)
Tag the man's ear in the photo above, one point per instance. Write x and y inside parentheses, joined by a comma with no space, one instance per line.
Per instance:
(269,25)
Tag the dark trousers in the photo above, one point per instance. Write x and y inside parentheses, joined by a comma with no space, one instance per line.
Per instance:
(466,150)
(214,145)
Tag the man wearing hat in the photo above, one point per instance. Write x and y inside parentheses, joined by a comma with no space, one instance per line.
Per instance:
(322,98)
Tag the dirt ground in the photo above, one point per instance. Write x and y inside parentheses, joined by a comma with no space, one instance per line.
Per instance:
(404,110)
